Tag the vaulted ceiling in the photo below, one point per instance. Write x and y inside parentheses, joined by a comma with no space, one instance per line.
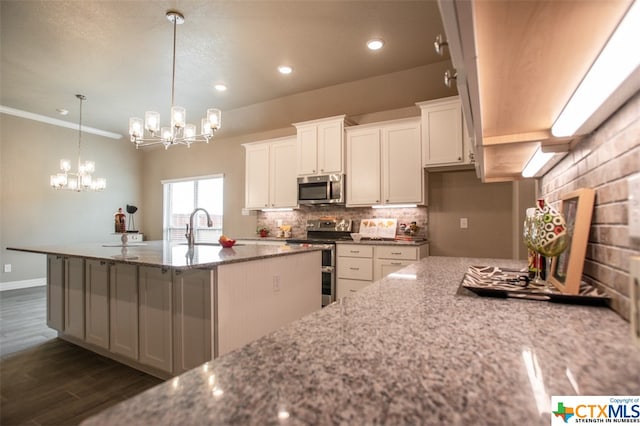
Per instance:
(118,53)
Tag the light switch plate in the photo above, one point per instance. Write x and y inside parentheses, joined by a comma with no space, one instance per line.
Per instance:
(634,282)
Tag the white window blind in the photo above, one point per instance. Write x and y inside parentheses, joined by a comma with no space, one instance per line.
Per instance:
(181,197)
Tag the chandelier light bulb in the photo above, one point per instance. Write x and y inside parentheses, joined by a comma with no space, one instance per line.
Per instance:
(65,165)
(179,131)
(151,122)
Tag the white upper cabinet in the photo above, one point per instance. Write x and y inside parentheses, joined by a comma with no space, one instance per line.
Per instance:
(320,146)
(403,175)
(363,166)
(442,133)
(270,174)
(384,164)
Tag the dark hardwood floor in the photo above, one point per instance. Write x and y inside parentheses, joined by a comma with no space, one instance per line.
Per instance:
(47,381)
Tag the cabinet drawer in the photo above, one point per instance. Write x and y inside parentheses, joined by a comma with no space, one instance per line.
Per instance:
(348,287)
(354,250)
(355,268)
(390,252)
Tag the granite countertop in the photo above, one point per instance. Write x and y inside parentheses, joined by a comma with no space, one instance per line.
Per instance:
(409,349)
(166,254)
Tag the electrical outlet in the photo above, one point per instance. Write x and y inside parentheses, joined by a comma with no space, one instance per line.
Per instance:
(276,283)
(7,267)
(279,223)
(464,223)
(634,282)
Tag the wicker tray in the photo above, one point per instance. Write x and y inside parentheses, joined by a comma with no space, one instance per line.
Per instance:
(493,281)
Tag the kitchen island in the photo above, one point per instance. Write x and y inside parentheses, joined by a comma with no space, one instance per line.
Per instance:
(165,308)
(412,348)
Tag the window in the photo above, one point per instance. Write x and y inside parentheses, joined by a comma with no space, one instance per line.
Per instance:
(182,196)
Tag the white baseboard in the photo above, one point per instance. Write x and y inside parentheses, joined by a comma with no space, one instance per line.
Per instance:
(14,285)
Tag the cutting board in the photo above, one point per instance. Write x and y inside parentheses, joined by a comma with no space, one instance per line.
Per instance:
(378,228)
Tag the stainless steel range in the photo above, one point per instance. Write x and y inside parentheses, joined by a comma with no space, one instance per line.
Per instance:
(324,233)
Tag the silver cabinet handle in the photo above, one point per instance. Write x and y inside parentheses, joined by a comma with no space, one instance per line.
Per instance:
(396,252)
(354,251)
(396,263)
(354,269)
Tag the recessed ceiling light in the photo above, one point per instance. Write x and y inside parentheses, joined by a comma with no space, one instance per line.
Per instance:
(62,111)
(220,87)
(285,69)
(375,44)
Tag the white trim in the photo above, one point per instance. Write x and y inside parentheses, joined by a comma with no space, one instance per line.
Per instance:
(217,175)
(14,285)
(56,122)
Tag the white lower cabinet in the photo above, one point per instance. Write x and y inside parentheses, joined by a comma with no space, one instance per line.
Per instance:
(97,302)
(123,309)
(354,268)
(55,292)
(155,310)
(359,265)
(74,297)
(192,331)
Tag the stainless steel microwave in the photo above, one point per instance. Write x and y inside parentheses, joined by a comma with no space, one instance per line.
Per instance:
(325,189)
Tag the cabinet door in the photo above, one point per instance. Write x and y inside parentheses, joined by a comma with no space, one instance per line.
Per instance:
(97,302)
(307,150)
(74,297)
(363,167)
(284,188)
(384,267)
(55,292)
(330,146)
(257,176)
(123,307)
(192,318)
(402,171)
(156,346)
(442,134)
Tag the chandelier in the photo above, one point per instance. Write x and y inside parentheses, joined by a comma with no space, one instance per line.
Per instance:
(81,180)
(179,132)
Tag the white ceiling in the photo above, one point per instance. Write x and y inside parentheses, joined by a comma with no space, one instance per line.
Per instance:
(118,53)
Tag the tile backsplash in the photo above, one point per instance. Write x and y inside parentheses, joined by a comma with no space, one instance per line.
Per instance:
(298,218)
(603,161)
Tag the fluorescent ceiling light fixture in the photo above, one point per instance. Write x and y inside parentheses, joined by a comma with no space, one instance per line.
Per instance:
(283,209)
(285,69)
(62,111)
(220,87)
(394,206)
(616,62)
(375,44)
(536,162)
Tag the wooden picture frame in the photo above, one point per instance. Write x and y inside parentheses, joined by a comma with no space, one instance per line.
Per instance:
(566,269)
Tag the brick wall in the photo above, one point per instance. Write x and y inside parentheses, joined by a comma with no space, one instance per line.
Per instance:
(603,161)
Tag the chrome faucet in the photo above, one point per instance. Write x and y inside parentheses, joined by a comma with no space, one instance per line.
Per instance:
(190,237)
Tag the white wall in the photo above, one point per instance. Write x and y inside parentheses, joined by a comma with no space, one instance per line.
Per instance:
(32,213)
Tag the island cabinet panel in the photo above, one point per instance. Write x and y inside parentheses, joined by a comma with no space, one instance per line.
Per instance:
(192,291)
(255,298)
(74,297)
(97,302)
(55,292)
(156,344)
(123,307)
